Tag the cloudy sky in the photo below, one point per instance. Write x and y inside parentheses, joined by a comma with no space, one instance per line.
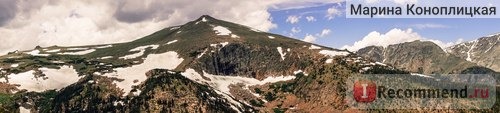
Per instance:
(27,23)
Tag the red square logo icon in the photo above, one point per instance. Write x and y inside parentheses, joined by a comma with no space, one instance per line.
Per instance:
(364,91)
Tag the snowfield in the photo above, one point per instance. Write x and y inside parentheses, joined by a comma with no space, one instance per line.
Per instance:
(141,50)
(219,30)
(53,79)
(221,83)
(271,37)
(36,53)
(333,53)
(78,53)
(168,60)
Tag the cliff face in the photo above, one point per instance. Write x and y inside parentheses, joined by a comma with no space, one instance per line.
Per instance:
(418,57)
(484,51)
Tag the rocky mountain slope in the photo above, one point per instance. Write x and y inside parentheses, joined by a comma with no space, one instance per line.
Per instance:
(484,51)
(206,65)
(420,57)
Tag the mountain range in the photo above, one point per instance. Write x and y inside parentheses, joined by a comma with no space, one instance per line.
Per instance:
(211,65)
(426,57)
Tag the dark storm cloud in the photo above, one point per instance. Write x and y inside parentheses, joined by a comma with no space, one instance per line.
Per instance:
(7,11)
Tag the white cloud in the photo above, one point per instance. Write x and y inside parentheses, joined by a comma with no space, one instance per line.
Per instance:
(310,18)
(70,23)
(428,25)
(332,12)
(444,45)
(394,36)
(309,38)
(295,30)
(324,32)
(293,19)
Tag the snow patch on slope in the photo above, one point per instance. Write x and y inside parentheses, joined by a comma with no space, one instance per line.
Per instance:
(234,36)
(333,53)
(470,50)
(105,46)
(24,110)
(314,47)
(141,50)
(203,53)
(53,79)
(280,50)
(168,60)
(78,53)
(219,30)
(173,41)
(493,44)
(493,35)
(328,61)
(221,83)
(223,44)
(76,49)
(36,53)
(204,19)
(176,27)
(256,30)
(299,71)
(106,57)
(271,37)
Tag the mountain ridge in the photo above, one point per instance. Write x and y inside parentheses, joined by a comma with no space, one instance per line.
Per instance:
(483,51)
(206,65)
(215,52)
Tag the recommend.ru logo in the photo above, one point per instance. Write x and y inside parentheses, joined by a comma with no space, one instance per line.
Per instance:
(412,91)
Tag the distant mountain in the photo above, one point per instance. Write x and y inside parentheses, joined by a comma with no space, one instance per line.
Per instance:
(419,57)
(206,65)
(484,51)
